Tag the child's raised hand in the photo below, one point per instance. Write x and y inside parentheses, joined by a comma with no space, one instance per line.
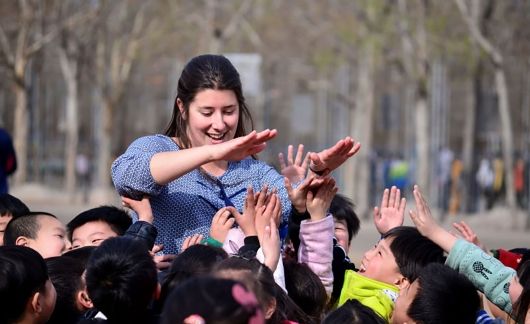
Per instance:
(426,224)
(392,211)
(298,195)
(270,244)
(163,261)
(246,220)
(221,224)
(318,203)
(191,240)
(142,208)
(467,233)
(295,169)
(264,213)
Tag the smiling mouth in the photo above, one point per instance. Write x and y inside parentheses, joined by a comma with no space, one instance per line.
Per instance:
(217,137)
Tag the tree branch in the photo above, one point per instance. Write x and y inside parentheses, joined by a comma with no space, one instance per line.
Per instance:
(477,35)
(6,49)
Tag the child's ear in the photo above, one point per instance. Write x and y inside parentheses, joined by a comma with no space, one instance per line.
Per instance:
(271,308)
(402,283)
(36,306)
(84,300)
(21,240)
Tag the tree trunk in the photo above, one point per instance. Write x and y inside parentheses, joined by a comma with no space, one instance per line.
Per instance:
(104,147)
(422,141)
(361,130)
(507,137)
(69,70)
(469,141)
(21,133)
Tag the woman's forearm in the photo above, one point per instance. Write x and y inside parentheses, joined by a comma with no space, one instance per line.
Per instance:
(168,166)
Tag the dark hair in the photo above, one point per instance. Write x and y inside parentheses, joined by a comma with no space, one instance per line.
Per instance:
(26,225)
(121,278)
(212,299)
(118,219)
(305,288)
(260,280)
(412,251)
(206,72)
(520,308)
(65,274)
(81,254)
(342,209)
(22,273)
(353,312)
(444,296)
(194,261)
(12,205)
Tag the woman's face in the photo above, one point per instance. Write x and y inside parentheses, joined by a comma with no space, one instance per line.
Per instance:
(212,117)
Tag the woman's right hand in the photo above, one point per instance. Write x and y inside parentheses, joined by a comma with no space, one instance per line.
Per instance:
(241,147)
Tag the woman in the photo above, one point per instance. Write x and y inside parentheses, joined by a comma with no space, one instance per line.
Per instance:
(204,161)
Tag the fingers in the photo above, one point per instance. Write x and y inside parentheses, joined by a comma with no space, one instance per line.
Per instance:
(402,206)
(384,199)
(250,202)
(191,240)
(356,148)
(299,155)
(392,198)
(157,248)
(281,159)
(290,155)
(376,213)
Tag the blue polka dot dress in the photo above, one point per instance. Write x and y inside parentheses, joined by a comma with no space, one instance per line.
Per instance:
(187,205)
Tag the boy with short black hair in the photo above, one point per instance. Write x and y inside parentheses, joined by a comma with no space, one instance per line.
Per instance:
(439,295)
(26,293)
(95,225)
(10,207)
(121,279)
(40,231)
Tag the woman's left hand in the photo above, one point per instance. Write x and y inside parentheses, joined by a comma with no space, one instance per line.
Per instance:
(324,162)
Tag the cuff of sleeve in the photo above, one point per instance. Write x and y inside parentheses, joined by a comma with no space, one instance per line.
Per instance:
(212,242)
(251,240)
(297,217)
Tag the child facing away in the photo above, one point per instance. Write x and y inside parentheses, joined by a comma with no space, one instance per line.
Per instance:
(26,293)
(502,285)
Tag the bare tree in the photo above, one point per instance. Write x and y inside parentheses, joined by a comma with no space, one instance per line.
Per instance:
(497,60)
(72,42)
(416,64)
(117,44)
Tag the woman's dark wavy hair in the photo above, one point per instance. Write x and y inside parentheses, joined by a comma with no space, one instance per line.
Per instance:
(203,72)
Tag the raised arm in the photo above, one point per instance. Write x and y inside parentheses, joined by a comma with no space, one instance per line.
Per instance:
(168,166)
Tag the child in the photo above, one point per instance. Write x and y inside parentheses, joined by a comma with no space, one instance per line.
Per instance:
(95,225)
(40,231)
(212,300)
(26,293)
(439,295)
(392,264)
(66,274)
(500,284)
(121,280)
(10,207)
